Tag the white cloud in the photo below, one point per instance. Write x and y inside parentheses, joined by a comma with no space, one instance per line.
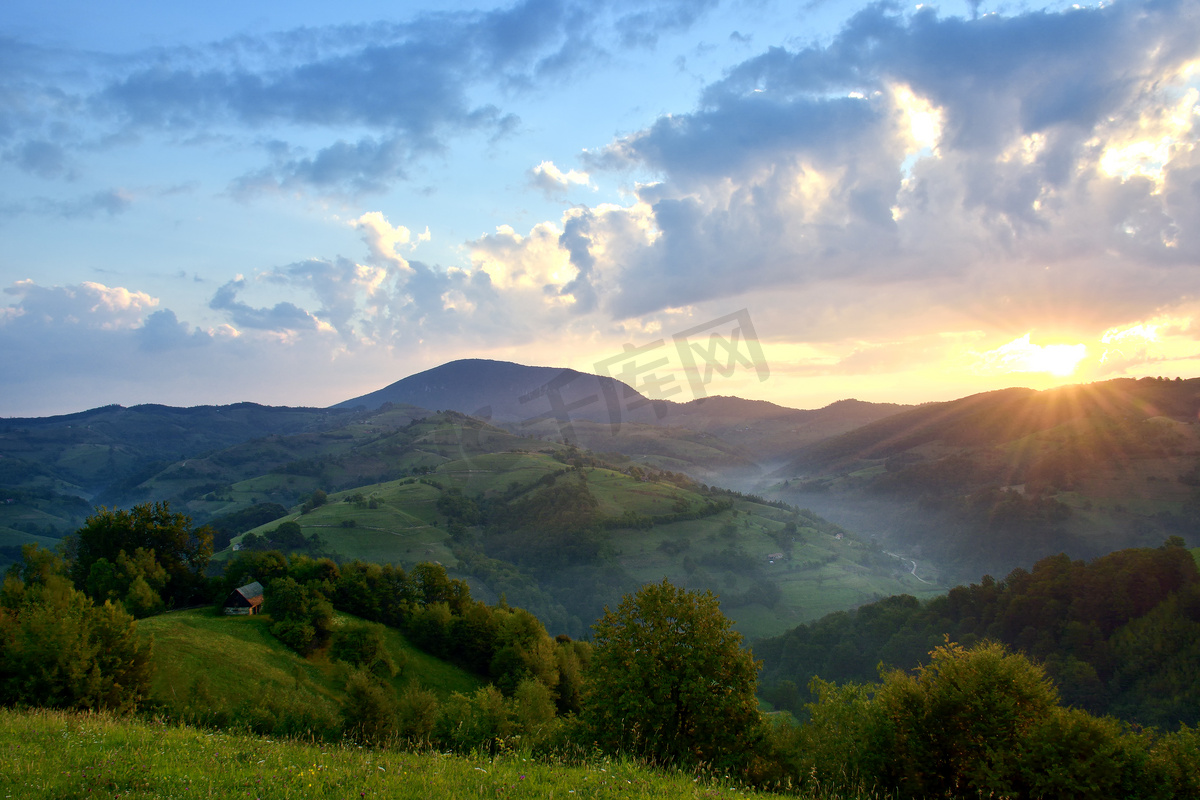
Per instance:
(554,182)
(385,240)
(88,305)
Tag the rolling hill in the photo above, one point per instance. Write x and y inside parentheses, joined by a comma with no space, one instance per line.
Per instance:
(563,532)
(998,480)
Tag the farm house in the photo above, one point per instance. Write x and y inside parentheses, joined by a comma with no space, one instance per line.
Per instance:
(246,599)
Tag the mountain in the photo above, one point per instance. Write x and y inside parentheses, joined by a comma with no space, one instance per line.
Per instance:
(53,469)
(998,480)
(504,392)
(726,440)
(1005,416)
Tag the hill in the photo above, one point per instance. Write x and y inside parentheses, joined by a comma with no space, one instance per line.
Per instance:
(555,528)
(1118,635)
(728,440)
(1001,479)
(54,469)
(220,670)
(564,532)
(505,392)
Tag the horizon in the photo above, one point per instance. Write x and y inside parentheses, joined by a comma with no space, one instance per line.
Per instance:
(541,366)
(900,204)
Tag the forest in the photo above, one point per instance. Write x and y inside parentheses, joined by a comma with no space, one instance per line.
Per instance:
(1118,635)
(663,677)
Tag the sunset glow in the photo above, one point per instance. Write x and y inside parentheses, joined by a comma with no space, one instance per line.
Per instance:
(298,203)
(1020,355)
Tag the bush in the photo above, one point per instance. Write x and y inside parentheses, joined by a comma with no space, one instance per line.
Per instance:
(416,713)
(957,724)
(59,650)
(668,680)
(474,723)
(370,713)
(362,645)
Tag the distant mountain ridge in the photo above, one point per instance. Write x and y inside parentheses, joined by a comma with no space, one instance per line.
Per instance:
(1005,415)
(1001,479)
(506,392)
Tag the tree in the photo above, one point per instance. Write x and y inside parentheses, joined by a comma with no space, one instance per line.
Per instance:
(668,680)
(957,725)
(59,650)
(136,582)
(301,618)
(181,550)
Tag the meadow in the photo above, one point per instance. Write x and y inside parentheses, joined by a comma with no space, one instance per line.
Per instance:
(228,669)
(69,756)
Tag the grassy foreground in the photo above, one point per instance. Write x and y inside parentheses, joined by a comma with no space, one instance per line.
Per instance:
(62,755)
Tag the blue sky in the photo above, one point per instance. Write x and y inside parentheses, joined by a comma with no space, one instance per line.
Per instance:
(299,203)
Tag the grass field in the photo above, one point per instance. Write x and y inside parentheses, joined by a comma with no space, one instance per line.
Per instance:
(823,574)
(65,756)
(235,660)
(398,522)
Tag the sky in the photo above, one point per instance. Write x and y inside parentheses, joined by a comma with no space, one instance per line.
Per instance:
(298,203)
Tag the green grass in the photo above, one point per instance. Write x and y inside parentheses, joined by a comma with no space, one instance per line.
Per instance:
(65,756)
(236,657)
(11,538)
(824,574)
(237,660)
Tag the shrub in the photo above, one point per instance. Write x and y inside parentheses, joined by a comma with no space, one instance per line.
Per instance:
(668,680)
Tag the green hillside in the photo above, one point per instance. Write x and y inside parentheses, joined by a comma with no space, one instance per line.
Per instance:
(210,666)
(563,532)
(999,480)
(554,528)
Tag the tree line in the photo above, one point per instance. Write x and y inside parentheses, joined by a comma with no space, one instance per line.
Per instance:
(665,678)
(1119,635)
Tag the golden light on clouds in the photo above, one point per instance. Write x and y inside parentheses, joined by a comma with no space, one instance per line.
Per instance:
(1022,355)
(921,120)
(1146,343)
(1146,149)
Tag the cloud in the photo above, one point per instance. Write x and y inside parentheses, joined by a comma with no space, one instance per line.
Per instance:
(107,202)
(282,318)
(62,347)
(1022,355)
(642,27)
(42,158)
(1005,159)
(388,300)
(384,240)
(162,331)
(368,100)
(553,182)
(87,305)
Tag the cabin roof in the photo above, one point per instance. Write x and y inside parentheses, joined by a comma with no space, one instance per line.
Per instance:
(250,590)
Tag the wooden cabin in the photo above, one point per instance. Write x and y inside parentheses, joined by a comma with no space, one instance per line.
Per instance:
(246,599)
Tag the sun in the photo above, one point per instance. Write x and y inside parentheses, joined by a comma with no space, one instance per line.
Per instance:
(1057,359)
(1021,355)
